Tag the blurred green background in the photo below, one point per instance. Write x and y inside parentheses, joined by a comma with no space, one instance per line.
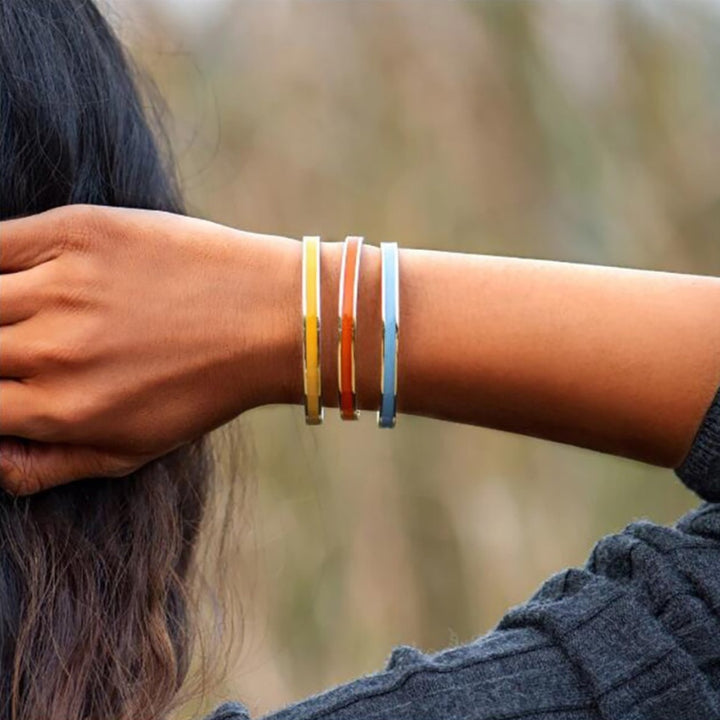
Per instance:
(584,132)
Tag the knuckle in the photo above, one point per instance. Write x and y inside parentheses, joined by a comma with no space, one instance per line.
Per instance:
(74,285)
(15,471)
(48,353)
(81,410)
(10,476)
(42,352)
(13,483)
(68,355)
(54,417)
(69,298)
(121,466)
(44,421)
(67,351)
(81,225)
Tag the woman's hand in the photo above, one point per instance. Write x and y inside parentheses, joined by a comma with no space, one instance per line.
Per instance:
(127,333)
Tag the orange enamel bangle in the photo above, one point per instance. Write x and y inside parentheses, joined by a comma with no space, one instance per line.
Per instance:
(347,320)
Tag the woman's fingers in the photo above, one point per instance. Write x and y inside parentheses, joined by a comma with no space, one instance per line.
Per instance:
(29,467)
(19,409)
(21,294)
(29,241)
(17,353)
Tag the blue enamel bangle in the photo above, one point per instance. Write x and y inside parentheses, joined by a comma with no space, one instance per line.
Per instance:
(390,301)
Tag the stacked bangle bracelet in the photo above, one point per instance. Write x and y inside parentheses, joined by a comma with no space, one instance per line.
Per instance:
(347,319)
(311,330)
(390,327)
(346,328)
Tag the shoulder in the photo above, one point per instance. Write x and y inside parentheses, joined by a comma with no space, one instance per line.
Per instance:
(636,630)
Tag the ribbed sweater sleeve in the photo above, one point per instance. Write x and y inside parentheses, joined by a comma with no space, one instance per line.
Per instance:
(700,469)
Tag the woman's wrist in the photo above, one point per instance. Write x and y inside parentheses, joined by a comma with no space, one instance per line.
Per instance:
(265,334)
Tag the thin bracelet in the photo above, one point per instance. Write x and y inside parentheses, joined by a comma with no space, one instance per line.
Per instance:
(390,299)
(311,330)
(347,320)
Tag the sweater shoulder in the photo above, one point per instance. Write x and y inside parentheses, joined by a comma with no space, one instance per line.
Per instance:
(633,633)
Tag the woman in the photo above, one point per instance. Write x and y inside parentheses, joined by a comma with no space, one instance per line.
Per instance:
(112,372)
(96,613)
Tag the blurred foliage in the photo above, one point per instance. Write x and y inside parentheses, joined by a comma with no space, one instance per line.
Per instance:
(570,131)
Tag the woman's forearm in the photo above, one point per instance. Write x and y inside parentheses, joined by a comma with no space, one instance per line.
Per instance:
(617,360)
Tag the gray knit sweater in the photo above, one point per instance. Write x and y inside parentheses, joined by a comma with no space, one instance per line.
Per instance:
(632,635)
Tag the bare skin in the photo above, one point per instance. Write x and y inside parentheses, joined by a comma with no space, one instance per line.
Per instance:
(127,333)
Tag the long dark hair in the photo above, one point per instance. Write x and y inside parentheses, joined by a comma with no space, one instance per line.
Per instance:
(95,621)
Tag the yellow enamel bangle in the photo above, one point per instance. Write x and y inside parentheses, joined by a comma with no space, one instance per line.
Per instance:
(311,330)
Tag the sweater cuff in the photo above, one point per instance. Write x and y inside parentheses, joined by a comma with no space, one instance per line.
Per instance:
(700,470)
